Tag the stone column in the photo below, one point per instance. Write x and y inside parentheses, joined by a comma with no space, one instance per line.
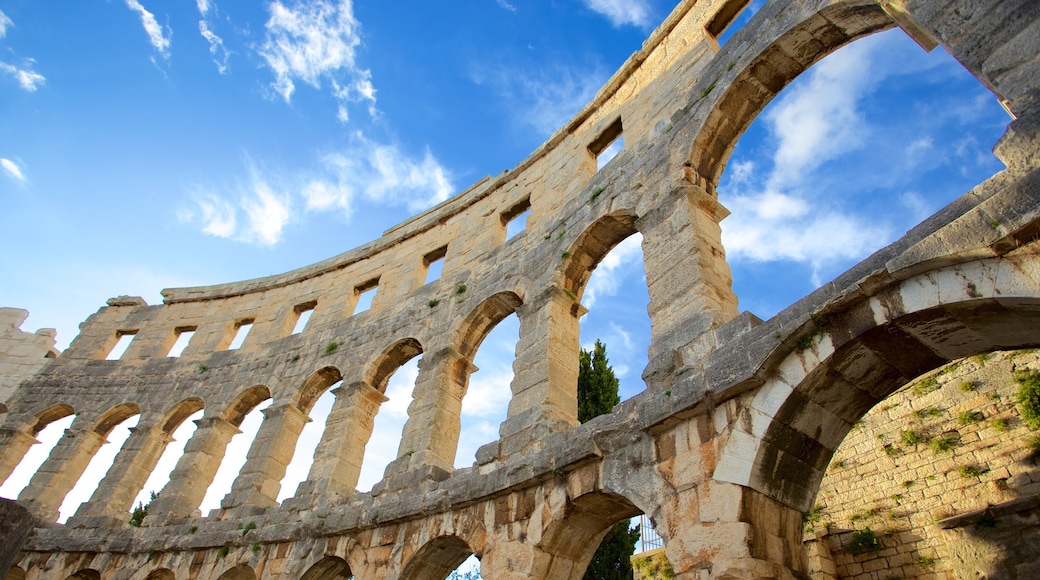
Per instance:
(14,444)
(431,435)
(688,279)
(112,501)
(337,460)
(59,474)
(257,485)
(195,470)
(545,381)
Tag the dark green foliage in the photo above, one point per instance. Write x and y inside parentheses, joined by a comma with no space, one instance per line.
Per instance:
(612,560)
(1029,397)
(597,395)
(597,385)
(137,516)
(863,541)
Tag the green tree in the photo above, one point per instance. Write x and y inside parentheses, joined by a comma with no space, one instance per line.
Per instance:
(597,395)
(137,516)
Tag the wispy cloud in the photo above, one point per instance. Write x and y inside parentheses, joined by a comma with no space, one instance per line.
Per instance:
(312,41)
(545,98)
(5,22)
(258,210)
(505,5)
(159,36)
(26,78)
(622,12)
(216,47)
(607,278)
(12,169)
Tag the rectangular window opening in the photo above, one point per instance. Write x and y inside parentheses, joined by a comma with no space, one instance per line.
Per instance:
(242,329)
(183,338)
(514,219)
(729,19)
(123,340)
(434,263)
(303,316)
(365,293)
(609,143)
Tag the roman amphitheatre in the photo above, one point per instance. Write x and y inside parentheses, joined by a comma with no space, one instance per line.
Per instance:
(724,451)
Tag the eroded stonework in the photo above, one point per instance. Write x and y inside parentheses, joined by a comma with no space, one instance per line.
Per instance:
(723,451)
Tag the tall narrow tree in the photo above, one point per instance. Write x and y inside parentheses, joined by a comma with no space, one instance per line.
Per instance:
(597,395)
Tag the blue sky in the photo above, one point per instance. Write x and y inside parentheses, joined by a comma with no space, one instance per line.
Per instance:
(146,145)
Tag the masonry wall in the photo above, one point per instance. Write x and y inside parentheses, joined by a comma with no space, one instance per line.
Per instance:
(924,500)
(21,353)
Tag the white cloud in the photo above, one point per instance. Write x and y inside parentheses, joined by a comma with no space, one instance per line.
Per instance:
(622,12)
(27,79)
(312,41)
(12,169)
(606,279)
(203,6)
(505,5)
(257,210)
(216,46)
(159,36)
(5,22)
(546,98)
(487,395)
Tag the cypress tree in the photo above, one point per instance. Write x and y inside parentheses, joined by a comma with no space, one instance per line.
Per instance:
(597,394)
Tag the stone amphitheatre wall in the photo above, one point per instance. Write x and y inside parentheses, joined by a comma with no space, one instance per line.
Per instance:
(937,509)
(21,353)
(724,450)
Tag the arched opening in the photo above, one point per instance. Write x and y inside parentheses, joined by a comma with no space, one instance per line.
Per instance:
(15,573)
(488,337)
(179,424)
(161,574)
(115,426)
(941,470)
(328,568)
(87,574)
(240,572)
(246,413)
(47,427)
(315,399)
(393,373)
(437,558)
(574,541)
(859,149)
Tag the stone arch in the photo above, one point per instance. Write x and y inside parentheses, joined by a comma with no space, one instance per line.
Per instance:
(390,360)
(86,574)
(787,57)
(240,572)
(161,574)
(179,412)
(593,245)
(316,384)
(864,352)
(436,559)
(15,573)
(242,404)
(114,416)
(569,543)
(50,415)
(482,319)
(328,568)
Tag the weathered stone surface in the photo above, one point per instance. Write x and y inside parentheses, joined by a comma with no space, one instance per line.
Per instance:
(723,450)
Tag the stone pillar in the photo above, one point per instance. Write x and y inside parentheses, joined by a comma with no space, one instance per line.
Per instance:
(337,460)
(112,501)
(257,485)
(195,470)
(545,372)
(14,444)
(688,279)
(431,435)
(59,474)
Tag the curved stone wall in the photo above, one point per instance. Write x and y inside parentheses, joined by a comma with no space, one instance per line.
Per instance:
(725,448)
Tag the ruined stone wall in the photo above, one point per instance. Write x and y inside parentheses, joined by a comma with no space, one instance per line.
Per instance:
(949,444)
(724,450)
(22,354)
